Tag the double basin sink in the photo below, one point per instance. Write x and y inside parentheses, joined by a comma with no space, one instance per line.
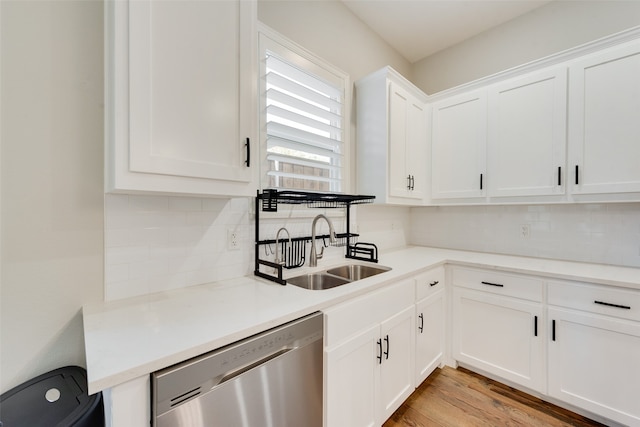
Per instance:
(336,276)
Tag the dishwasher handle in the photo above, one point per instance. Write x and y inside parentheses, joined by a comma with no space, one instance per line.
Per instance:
(237,372)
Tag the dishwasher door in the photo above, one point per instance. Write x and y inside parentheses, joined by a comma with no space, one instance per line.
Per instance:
(270,379)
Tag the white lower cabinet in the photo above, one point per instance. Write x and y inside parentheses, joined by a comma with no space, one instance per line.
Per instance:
(369,373)
(594,354)
(497,325)
(430,327)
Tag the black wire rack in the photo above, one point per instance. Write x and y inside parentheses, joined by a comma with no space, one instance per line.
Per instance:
(268,201)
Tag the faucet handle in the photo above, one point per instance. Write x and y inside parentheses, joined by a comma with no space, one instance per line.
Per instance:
(319,256)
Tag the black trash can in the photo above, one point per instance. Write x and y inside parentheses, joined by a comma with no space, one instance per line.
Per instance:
(57,398)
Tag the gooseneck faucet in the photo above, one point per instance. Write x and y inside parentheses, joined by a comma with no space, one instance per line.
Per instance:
(277,260)
(313,258)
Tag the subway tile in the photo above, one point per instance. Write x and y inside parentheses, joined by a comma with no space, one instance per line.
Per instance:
(114,273)
(149,203)
(115,204)
(187,204)
(126,254)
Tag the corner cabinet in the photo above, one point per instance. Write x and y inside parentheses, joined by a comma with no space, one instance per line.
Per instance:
(392,119)
(498,325)
(181,97)
(369,356)
(604,121)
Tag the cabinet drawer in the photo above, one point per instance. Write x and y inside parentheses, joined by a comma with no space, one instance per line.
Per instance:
(611,301)
(343,320)
(509,284)
(429,282)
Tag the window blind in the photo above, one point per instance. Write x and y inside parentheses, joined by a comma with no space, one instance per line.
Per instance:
(304,128)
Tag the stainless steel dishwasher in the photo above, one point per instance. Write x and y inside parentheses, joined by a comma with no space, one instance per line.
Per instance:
(270,379)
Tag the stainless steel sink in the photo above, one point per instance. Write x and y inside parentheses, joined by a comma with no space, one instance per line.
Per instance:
(317,281)
(336,276)
(353,272)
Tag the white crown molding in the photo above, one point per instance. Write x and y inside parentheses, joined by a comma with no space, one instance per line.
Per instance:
(555,59)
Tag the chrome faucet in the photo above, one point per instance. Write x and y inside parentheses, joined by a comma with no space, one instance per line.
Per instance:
(313,258)
(277,260)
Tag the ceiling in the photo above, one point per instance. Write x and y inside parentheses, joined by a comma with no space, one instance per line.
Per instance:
(419,28)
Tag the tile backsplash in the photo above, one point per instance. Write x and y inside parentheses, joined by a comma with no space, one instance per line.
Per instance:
(157,243)
(598,233)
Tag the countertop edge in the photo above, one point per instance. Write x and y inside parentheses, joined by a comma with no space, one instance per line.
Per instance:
(405,262)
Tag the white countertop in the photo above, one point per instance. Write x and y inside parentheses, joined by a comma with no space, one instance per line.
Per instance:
(134,337)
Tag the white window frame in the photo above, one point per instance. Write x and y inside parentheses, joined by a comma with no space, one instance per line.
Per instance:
(270,40)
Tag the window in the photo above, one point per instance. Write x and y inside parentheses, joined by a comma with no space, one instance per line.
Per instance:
(304,144)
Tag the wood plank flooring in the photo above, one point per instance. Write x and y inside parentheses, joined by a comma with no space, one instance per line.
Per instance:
(458,397)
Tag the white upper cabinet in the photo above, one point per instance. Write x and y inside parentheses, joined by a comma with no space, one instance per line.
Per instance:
(458,146)
(392,118)
(181,97)
(604,121)
(526,142)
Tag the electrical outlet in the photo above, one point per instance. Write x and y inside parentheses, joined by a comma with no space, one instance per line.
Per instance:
(525,231)
(233,239)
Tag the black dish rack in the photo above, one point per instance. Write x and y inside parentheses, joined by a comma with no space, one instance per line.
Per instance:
(294,249)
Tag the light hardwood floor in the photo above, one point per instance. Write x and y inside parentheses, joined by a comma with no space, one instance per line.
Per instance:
(458,397)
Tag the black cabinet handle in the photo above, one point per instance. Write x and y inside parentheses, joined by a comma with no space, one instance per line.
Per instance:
(553,330)
(493,284)
(379,352)
(559,175)
(413,182)
(434,283)
(408,182)
(577,170)
(386,353)
(608,304)
(421,327)
(535,326)
(248,146)
(481,181)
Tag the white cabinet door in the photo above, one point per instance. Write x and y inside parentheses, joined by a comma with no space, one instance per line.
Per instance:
(429,335)
(399,180)
(526,142)
(396,364)
(181,96)
(500,335)
(352,372)
(416,156)
(458,151)
(392,138)
(407,143)
(594,364)
(604,121)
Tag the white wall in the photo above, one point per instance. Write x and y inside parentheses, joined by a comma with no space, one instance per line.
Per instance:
(599,233)
(51,198)
(330,30)
(553,28)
